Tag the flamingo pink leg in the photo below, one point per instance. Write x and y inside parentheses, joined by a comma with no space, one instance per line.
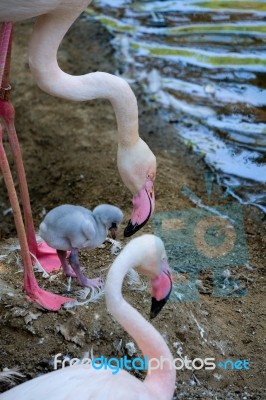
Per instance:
(48,300)
(41,251)
(45,254)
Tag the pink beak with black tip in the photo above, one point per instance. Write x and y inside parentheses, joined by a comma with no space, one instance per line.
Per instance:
(161,289)
(143,207)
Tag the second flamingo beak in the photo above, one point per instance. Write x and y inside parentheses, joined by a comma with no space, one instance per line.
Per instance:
(143,207)
(161,289)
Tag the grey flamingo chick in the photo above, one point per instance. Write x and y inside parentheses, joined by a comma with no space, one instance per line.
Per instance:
(71,228)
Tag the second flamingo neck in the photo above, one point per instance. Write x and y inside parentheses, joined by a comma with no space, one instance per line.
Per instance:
(148,339)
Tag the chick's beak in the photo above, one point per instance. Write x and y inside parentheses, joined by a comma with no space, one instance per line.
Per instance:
(113,230)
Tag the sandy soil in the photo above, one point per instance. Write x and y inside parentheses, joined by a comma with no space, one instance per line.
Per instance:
(70,157)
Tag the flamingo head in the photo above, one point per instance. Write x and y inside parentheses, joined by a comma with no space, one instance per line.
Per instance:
(154,265)
(110,216)
(137,168)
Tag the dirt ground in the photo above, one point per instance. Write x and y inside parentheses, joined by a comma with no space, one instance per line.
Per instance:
(70,157)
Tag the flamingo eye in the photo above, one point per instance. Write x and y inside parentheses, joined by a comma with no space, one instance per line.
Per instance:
(150,175)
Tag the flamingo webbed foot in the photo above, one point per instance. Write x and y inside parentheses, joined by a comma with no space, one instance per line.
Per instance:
(47,257)
(47,300)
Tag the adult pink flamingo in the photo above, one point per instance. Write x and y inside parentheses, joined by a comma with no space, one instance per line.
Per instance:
(147,254)
(136,163)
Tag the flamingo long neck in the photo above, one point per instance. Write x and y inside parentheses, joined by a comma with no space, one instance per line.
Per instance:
(46,38)
(148,339)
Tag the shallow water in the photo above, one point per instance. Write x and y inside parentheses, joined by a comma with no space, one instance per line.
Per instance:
(204,62)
